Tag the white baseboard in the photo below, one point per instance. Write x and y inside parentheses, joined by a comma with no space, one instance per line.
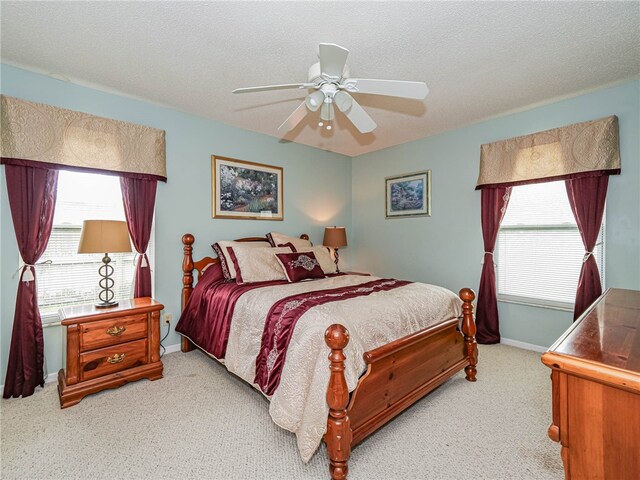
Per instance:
(523,345)
(172,348)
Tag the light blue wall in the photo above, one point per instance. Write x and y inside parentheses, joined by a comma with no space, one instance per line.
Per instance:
(322,188)
(447,248)
(317,189)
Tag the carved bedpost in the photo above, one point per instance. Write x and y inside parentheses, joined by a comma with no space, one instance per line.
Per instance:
(338,436)
(469,330)
(187,282)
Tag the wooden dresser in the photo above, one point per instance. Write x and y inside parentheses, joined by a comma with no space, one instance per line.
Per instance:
(107,348)
(596,390)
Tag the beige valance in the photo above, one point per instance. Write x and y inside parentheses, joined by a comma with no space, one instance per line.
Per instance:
(582,149)
(59,138)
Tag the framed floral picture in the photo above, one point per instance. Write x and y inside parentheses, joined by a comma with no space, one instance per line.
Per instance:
(246,190)
(408,195)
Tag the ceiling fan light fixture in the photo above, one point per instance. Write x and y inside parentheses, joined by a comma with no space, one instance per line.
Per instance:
(326,112)
(314,100)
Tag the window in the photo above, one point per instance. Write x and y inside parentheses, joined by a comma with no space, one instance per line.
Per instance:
(539,251)
(72,278)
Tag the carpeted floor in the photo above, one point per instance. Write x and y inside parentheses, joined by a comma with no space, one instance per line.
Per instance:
(201,422)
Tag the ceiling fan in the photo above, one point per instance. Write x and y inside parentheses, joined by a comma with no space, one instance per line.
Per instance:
(331,85)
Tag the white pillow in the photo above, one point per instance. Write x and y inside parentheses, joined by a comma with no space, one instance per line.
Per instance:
(257,264)
(323,256)
(278,239)
(228,270)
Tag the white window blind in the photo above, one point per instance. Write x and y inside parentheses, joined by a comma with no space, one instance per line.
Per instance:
(539,251)
(72,278)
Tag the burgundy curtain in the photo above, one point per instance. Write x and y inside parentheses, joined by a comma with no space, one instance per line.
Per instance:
(32,199)
(494,206)
(139,197)
(587,197)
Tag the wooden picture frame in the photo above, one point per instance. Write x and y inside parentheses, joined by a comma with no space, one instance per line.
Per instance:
(408,195)
(244,190)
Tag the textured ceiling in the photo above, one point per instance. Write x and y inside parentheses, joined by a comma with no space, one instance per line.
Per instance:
(479,59)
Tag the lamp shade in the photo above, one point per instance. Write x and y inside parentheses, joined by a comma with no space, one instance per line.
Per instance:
(335,237)
(104,236)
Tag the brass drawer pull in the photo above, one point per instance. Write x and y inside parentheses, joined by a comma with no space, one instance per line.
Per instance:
(117,358)
(116,331)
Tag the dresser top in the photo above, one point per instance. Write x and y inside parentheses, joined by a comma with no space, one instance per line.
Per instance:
(607,334)
(69,315)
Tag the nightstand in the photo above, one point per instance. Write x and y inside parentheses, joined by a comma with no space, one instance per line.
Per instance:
(107,348)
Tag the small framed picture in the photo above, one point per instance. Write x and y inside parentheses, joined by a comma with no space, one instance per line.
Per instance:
(246,190)
(408,195)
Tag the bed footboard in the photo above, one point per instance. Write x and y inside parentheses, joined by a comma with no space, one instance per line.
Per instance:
(398,375)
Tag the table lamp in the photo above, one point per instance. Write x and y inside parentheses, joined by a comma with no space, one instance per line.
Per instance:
(335,237)
(101,236)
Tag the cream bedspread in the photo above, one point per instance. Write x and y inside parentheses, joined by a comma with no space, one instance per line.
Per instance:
(299,404)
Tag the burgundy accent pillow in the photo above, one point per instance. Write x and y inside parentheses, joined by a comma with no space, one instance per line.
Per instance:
(300,266)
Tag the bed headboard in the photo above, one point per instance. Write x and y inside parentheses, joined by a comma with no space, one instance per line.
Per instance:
(189,265)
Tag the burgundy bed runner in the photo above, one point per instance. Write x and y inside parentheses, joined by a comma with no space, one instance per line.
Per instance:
(284,315)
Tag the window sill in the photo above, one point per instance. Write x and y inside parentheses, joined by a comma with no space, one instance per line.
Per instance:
(532,302)
(50,320)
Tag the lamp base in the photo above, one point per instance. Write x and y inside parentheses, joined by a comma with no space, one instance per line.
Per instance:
(106,304)
(106,283)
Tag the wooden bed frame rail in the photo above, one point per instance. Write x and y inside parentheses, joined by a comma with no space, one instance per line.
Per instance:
(398,374)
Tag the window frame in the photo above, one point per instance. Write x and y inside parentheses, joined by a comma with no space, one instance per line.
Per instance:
(540,302)
(49,319)
(53,319)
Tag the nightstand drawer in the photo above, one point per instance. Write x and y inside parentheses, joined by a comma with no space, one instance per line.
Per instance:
(113,331)
(112,359)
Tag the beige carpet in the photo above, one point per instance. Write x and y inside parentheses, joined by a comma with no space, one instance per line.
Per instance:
(201,422)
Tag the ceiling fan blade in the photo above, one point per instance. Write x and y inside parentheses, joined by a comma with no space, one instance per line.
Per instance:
(392,88)
(274,87)
(354,112)
(332,59)
(295,118)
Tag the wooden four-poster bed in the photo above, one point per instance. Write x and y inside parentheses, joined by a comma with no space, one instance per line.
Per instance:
(397,374)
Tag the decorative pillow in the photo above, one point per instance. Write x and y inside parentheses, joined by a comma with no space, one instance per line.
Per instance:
(257,264)
(300,266)
(288,244)
(214,270)
(279,240)
(220,248)
(323,255)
